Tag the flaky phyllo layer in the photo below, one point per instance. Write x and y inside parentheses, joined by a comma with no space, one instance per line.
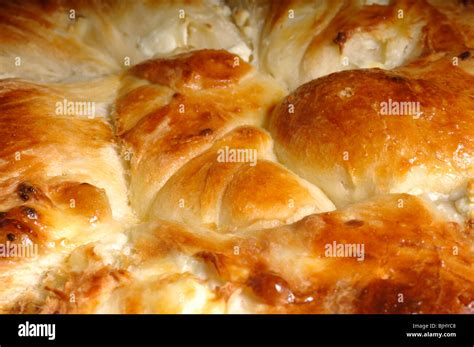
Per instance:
(236,157)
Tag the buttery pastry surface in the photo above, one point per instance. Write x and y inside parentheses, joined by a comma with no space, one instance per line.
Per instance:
(428,150)
(62,183)
(237,156)
(175,145)
(297,41)
(171,269)
(78,39)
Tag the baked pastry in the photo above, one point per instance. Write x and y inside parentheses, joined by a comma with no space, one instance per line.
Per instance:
(62,182)
(73,39)
(297,41)
(399,243)
(217,157)
(190,160)
(411,131)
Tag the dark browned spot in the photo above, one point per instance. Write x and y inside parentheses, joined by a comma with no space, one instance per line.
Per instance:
(206,132)
(467,301)
(25,191)
(3,214)
(30,212)
(15,225)
(211,258)
(13,230)
(340,38)
(271,288)
(464,55)
(354,223)
(396,78)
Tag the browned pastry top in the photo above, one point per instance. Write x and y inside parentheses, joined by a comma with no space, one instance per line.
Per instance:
(199,185)
(413,262)
(344,133)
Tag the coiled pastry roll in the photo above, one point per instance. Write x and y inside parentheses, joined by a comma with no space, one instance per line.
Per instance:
(185,121)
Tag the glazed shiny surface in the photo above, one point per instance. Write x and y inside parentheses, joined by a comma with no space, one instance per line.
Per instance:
(346,134)
(241,156)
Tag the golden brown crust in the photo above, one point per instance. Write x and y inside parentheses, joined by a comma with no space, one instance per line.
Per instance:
(34,120)
(407,249)
(236,196)
(193,100)
(82,39)
(161,142)
(61,179)
(345,137)
(224,227)
(199,70)
(460,16)
(312,39)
